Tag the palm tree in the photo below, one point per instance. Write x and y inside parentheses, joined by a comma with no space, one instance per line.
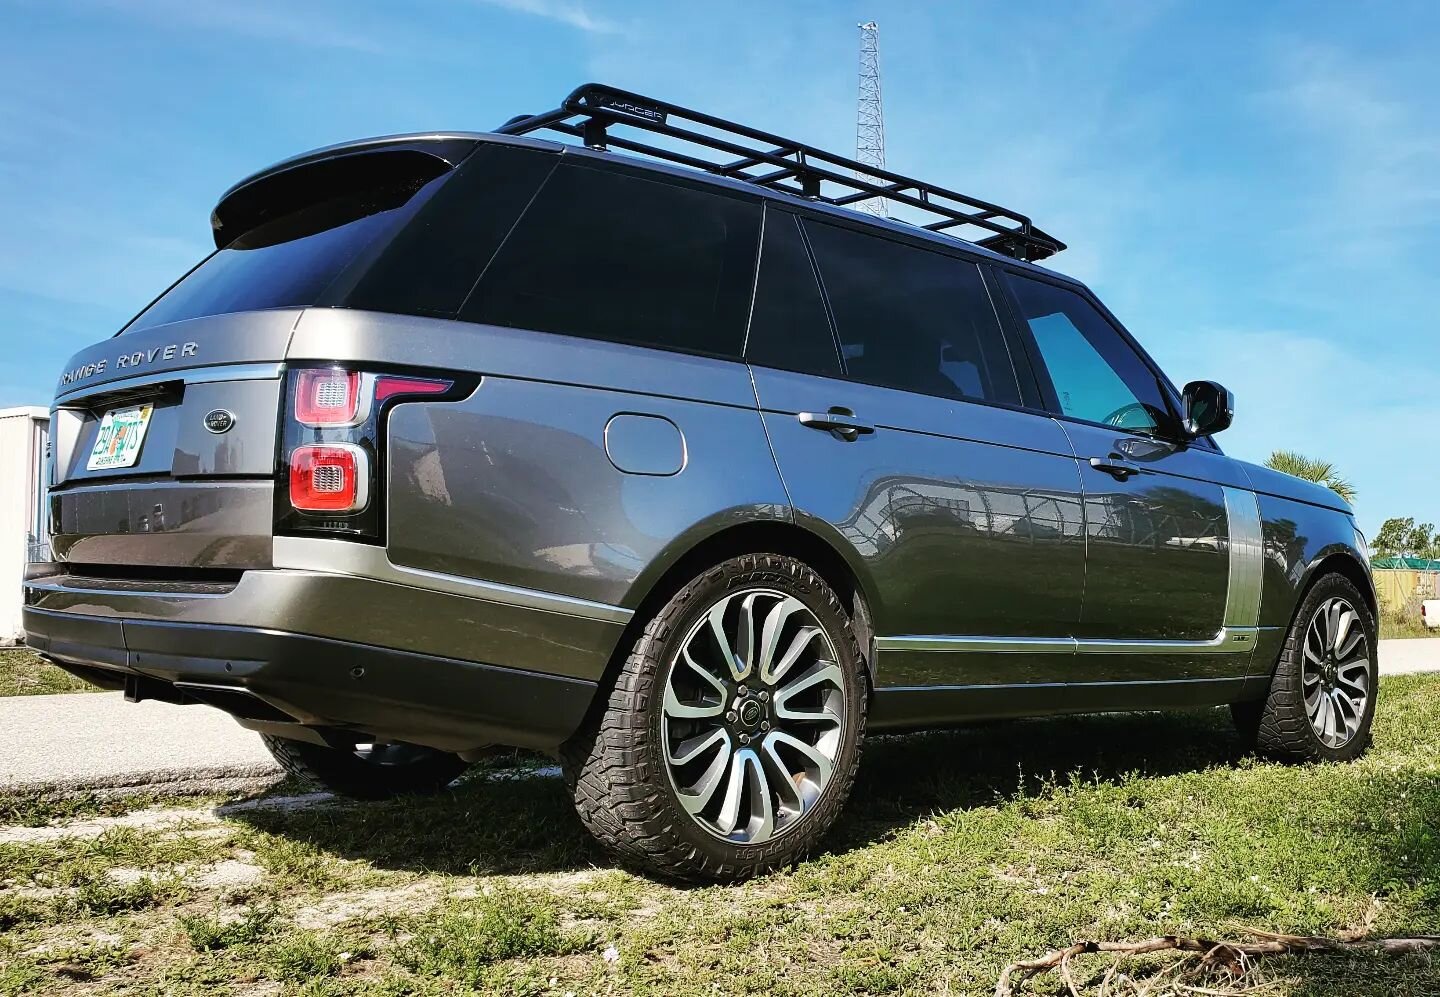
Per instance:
(1320,471)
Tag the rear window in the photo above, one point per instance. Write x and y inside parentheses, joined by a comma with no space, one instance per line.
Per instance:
(288,261)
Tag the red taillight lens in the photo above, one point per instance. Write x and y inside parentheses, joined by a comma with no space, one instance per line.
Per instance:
(391,385)
(334,477)
(327,397)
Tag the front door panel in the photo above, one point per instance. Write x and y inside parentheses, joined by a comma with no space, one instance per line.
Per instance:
(1158,540)
(1172,567)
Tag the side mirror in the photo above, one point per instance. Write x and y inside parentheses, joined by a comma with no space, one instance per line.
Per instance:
(1209,408)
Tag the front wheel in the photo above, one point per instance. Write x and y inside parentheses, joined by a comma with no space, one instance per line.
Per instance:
(731,737)
(1322,697)
(367,771)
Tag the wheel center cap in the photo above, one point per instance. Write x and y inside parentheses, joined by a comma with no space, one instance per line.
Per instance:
(750,713)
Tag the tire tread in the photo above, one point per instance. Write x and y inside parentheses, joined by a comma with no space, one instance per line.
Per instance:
(622,799)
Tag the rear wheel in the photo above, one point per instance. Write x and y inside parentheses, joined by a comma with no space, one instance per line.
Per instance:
(1322,697)
(732,734)
(367,771)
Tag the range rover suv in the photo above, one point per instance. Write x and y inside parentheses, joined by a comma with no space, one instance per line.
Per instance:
(621,434)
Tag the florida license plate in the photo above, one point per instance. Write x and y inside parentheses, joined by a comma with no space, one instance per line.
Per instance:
(122,431)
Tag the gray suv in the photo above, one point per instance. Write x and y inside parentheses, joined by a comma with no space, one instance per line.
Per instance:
(619,433)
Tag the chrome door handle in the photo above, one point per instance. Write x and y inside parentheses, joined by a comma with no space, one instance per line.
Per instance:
(841,422)
(1114,465)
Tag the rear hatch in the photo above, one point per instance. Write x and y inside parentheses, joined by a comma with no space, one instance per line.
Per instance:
(164,436)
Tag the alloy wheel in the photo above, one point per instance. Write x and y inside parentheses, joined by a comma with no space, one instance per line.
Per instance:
(1335,675)
(753,716)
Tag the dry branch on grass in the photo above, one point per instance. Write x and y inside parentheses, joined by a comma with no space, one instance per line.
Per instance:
(1232,958)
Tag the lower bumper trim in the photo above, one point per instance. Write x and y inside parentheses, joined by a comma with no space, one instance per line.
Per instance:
(388,694)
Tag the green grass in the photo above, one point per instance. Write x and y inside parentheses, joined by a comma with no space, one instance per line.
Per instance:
(25,673)
(958,853)
(1404,627)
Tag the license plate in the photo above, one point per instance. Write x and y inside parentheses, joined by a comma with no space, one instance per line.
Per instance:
(122,431)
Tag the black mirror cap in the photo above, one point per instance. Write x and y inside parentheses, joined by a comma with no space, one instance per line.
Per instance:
(1209,408)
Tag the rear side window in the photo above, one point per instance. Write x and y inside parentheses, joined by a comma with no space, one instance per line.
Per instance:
(1097,375)
(789,328)
(606,255)
(431,264)
(912,319)
(290,260)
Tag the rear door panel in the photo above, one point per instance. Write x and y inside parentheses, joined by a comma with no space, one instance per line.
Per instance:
(968,516)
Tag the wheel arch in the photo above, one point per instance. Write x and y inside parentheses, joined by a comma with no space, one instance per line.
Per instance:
(1344,562)
(840,572)
(1336,560)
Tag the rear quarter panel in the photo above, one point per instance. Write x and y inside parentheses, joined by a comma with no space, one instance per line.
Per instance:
(531,481)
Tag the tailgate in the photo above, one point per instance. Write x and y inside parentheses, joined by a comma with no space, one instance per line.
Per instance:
(200,492)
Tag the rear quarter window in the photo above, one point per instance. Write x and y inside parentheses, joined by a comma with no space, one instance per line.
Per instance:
(607,255)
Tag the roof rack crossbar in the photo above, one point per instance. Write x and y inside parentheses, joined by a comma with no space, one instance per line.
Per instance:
(731,169)
(592,111)
(896,188)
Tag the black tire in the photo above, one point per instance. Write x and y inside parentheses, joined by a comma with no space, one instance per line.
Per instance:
(1279,726)
(616,765)
(389,770)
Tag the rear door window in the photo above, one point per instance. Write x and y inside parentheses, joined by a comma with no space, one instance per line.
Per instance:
(911,318)
(1097,376)
(604,254)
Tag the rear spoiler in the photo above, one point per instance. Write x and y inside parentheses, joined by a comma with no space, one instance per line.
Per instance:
(293,183)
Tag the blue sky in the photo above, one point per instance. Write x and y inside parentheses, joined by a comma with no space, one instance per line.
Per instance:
(1253,188)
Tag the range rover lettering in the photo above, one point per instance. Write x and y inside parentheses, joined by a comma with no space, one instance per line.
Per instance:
(618,433)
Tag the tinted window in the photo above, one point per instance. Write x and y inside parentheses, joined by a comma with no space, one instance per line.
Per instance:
(291,260)
(611,256)
(1097,376)
(912,319)
(431,264)
(788,327)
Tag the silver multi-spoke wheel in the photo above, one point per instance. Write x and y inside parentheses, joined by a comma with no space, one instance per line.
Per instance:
(753,716)
(1335,676)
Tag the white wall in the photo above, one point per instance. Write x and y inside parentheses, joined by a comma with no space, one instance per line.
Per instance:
(23,434)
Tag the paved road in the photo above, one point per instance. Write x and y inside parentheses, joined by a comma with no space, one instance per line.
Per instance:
(1416,654)
(98,741)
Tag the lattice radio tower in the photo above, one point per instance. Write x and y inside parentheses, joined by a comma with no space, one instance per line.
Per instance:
(870,121)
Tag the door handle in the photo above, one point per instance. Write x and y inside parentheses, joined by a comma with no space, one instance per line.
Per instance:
(1114,465)
(839,421)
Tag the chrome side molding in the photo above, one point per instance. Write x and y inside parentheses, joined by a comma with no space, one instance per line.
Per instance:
(1230,640)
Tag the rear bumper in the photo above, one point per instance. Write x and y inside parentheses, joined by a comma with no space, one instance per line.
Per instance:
(271,680)
(324,650)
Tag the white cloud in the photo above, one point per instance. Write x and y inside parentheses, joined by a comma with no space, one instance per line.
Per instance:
(569,14)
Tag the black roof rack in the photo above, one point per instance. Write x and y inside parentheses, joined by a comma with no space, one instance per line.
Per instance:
(780,164)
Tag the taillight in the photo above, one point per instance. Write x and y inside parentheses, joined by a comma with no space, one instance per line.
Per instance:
(327,397)
(334,477)
(392,385)
(331,461)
